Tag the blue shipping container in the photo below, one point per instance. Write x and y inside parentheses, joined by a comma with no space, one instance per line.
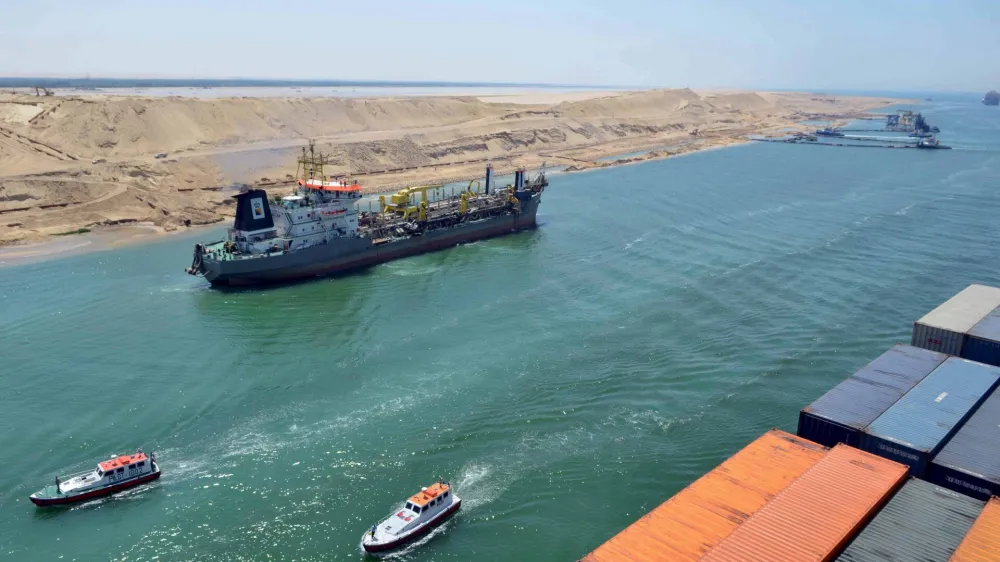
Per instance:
(983,341)
(842,413)
(970,462)
(916,427)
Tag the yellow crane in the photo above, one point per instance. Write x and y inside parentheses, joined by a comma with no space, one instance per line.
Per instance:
(401,201)
(473,194)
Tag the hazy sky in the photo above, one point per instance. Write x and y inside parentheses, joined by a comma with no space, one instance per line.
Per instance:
(845,44)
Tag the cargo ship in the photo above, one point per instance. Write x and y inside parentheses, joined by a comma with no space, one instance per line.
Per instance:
(317,230)
(829,132)
(896,463)
(905,121)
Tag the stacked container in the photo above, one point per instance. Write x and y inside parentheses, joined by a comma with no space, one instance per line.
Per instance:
(913,410)
(970,462)
(982,544)
(816,516)
(917,426)
(840,415)
(967,325)
(702,515)
(921,522)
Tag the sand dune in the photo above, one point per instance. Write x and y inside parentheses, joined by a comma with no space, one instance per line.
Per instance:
(84,162)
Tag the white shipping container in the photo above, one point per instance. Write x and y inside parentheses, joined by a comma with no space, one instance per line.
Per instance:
(937,339)
(944,328)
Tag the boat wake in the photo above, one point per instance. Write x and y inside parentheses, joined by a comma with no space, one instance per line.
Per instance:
(475,486)
(404,269)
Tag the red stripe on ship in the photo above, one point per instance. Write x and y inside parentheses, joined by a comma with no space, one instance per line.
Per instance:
(41,502)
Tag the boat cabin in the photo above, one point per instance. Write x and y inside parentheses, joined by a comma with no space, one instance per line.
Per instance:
(429,498)
(125,466)
(107,473)
(421,507)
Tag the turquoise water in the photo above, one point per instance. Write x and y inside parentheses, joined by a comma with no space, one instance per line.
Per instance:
(566,379)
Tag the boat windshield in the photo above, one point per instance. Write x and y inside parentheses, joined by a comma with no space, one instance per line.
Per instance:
(409,506)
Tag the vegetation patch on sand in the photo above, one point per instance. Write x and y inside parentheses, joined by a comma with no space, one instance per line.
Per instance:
(71,232)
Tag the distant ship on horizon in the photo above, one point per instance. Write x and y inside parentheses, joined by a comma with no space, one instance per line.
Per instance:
(991,98)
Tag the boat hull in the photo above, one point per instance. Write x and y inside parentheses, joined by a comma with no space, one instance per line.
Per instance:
(350,255)
(91,494)
(416,533)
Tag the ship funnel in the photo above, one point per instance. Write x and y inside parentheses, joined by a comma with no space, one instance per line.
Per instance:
(519,180)
(489,178)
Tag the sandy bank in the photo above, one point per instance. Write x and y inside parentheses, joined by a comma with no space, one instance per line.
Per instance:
(71,162)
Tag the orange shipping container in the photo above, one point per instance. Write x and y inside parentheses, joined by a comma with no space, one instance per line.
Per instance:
(700,516)
(816,516)
(982,543)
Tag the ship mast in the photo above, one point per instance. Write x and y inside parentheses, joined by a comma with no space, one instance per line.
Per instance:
(310,164)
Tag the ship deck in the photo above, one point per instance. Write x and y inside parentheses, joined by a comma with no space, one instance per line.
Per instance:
(440,214)
(216,251)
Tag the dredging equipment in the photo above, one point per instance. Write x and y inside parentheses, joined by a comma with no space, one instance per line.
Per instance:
(317,230)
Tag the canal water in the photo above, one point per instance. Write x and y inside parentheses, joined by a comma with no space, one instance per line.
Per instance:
(565,380)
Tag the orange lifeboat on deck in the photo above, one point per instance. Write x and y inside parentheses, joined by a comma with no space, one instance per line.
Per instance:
(319,185)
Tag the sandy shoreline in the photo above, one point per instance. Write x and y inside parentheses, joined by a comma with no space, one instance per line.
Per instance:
(88,162)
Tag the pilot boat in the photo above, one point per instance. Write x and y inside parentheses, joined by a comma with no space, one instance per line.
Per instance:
(423,512)
(931,143)
(110,476)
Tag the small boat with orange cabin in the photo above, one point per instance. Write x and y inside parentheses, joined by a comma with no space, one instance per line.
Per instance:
(111,476)
(423,512)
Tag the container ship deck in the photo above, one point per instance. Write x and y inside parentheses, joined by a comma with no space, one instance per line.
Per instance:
(898,462)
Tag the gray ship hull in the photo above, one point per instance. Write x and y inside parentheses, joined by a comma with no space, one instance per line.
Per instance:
(352,254)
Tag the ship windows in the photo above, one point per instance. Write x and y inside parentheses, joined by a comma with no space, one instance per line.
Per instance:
(131,467)
(141,463)
(409,506)
(445,495)
(120,470)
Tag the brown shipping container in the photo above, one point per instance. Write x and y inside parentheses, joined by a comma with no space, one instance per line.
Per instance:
(816,516)
(700,516)
(982,543)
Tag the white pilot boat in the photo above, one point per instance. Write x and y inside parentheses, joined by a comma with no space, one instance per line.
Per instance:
(110,476)
(424,511)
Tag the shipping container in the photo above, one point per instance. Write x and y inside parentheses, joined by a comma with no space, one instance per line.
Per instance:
(841,414)
(816,516)
(983,340)
(970,461)
(982,544)
(706,512)
(919,424)
(944,328)
(922,522)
